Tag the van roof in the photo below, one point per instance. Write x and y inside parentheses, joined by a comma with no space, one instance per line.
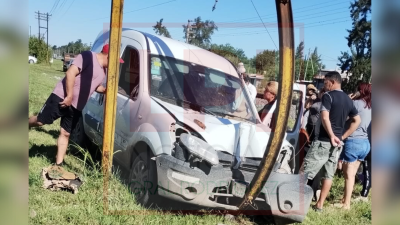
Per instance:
(164,46)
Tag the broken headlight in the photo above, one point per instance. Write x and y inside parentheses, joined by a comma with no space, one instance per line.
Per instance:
(199,148)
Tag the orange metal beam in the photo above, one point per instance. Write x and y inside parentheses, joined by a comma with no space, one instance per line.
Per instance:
(286,71)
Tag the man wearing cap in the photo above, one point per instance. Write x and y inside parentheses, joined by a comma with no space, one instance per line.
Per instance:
(270,94)
(71,94)
(311,91)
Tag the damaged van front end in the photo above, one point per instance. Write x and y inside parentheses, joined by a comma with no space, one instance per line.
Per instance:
(201,175)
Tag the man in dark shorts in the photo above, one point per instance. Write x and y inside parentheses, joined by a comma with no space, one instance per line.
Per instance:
(336,107)
(71,94)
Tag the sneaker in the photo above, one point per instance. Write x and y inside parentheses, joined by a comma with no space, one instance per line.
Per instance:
(59,173)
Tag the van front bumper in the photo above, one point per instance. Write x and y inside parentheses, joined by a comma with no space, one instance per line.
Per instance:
(285,196)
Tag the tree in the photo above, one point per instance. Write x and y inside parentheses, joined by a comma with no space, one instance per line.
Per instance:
(265,63)
(201,33)
(299,61)
(358,62)
(310,66)
(306,68)
(161,29)
(300,51)
(54,47)
(70,47)
(39,49)
(78,46)
(228,50)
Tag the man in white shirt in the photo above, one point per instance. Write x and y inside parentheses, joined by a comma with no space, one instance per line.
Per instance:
(250,87)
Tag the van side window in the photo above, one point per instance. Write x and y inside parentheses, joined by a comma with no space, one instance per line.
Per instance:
(128,84)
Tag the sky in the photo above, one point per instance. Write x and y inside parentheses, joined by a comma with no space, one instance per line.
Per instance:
(320,24)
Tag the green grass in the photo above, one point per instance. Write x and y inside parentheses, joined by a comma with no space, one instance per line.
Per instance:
(86,207)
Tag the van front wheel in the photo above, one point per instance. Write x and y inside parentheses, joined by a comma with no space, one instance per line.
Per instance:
(143,178)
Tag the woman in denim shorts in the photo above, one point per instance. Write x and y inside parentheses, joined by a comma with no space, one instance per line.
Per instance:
(356,145)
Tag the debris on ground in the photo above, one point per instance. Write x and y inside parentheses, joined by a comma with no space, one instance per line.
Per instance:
(229,217)
(32,214)
(56,178)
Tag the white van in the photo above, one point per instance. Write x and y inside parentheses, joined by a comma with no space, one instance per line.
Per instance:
(185,129)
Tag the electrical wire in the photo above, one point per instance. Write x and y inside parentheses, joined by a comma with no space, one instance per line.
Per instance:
(54,6)
(264,24)
(263,32)
(67,9)
(61,6)
(274,15)
(163,3)
(257,25)
(307,17)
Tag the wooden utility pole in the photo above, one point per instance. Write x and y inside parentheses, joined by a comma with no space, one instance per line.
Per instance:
(38,12)
(47,36)
(305,72)
(111,94)
(188,31)
(45,17)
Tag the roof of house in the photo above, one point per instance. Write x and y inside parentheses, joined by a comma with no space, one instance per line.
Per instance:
(257,76)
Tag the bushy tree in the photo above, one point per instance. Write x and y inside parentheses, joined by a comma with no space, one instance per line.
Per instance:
(265,63)
(313,64)
(299,61)
(235,55)
(160,29)
(202,32)
(358,62)
(39,49)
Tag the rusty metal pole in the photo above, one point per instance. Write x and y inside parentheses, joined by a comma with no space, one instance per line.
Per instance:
(111,94)
(286,69)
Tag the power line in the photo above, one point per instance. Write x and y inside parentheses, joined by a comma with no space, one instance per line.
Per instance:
(134,10)
(149,7)
(264,24)
(67,9)
(61,6)
(328,56)
(306,17)
(54,6)
(346,1)
(274,15)
(263,32)
(335,19)
(330,60)
(328,23)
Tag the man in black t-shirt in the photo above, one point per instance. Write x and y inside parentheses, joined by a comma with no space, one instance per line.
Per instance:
(336,107)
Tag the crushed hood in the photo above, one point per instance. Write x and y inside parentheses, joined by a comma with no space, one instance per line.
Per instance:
(232,136)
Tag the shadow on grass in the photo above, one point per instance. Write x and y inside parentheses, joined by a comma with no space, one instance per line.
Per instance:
(48,152)
(53,133)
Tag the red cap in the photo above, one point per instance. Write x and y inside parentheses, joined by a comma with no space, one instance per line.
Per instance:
(105,50)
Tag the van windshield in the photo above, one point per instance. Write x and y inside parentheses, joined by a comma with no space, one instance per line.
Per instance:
(220,94)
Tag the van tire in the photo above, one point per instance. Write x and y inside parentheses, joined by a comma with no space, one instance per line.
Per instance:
(143,176)
(78,133)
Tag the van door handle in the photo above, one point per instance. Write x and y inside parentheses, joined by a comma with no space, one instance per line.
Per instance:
(101,98)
